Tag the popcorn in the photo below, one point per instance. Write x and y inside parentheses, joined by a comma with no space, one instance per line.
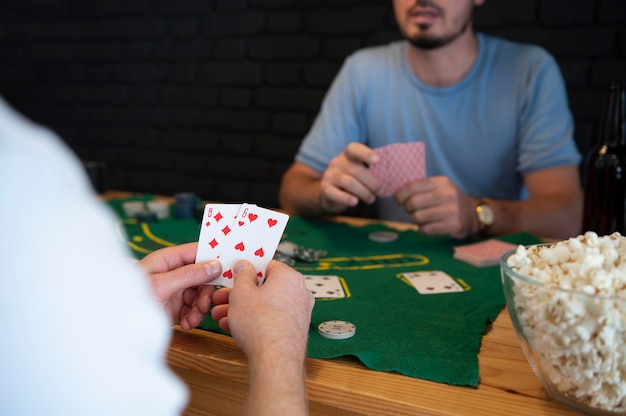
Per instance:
(575,319)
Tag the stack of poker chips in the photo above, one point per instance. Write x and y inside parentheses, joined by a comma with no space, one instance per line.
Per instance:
(160,208)
(289,253)
(132,208)
(150,211)
(186,205)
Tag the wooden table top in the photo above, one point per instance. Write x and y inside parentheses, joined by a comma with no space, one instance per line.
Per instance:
(215,370)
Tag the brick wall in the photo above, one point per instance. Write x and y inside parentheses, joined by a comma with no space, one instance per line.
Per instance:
(214,96)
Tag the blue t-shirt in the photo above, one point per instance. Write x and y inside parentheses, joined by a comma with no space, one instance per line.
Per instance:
(507,117)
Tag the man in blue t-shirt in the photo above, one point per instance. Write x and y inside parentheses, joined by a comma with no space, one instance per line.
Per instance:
(494,117)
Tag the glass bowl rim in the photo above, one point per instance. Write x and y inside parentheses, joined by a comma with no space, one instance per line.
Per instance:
(507,269)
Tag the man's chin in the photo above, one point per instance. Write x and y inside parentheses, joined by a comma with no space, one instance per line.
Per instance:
(427,43)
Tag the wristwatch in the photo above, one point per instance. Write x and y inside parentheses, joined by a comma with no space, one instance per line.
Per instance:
(484,214)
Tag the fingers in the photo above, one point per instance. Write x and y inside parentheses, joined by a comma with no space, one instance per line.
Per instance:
(167,283)
(190,318)
(334,200)
(348,179)
(221,296)
(169,258)
(200,300)
(189,295)
(361,180)
(219,313)
(244,278)
(203,301)
(437,206)
(419,193)
(223,324)
(244,274)
(360,153)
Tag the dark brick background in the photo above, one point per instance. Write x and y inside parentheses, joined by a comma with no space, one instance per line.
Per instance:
(214,96)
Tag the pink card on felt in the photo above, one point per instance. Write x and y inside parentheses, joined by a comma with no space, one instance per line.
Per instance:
(400,164)
(483,254)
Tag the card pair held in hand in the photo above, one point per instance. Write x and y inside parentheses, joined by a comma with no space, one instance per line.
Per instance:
(233,232)
(400,163)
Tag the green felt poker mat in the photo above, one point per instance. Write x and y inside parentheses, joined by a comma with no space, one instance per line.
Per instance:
(434,337)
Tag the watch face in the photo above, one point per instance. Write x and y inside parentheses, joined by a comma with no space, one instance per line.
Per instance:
(485,214)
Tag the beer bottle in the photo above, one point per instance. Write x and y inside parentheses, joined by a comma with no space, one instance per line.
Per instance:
(605,168)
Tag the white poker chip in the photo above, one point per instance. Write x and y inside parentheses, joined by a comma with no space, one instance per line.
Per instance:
(383,236)
(132,208)
(160,208)
(336,329)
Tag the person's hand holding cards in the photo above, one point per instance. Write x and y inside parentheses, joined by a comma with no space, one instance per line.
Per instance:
(439,207)
(348,179)
(399,164)
(179,285)
(232,232)
(270,323)
(236,309)
(435,203)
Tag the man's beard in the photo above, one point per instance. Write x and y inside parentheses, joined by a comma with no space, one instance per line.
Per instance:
(429,42)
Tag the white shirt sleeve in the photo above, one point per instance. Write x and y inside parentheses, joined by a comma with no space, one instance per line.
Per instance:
(82,333)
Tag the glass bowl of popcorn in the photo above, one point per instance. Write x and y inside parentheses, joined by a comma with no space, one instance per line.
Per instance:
(567,302)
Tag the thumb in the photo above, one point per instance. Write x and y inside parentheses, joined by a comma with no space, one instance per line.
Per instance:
(189,276)
(244,273)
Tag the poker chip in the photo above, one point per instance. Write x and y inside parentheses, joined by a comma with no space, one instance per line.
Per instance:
(160,208)
(299,252)
(383,236)
(185,206)
(132,208)
(336,329)
(185,198)
(289,261)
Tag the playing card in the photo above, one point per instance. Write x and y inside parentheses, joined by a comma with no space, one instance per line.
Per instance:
(483,254)
(400,163)
(432,282)
(216,225)
(255,236)
(325,286)
(380,169)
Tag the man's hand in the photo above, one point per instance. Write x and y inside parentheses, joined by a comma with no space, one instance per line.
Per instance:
(179,284)
(438,207)
(348,179)
(270,323)
(277,312)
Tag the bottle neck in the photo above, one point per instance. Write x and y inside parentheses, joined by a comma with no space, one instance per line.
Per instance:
(613,128)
